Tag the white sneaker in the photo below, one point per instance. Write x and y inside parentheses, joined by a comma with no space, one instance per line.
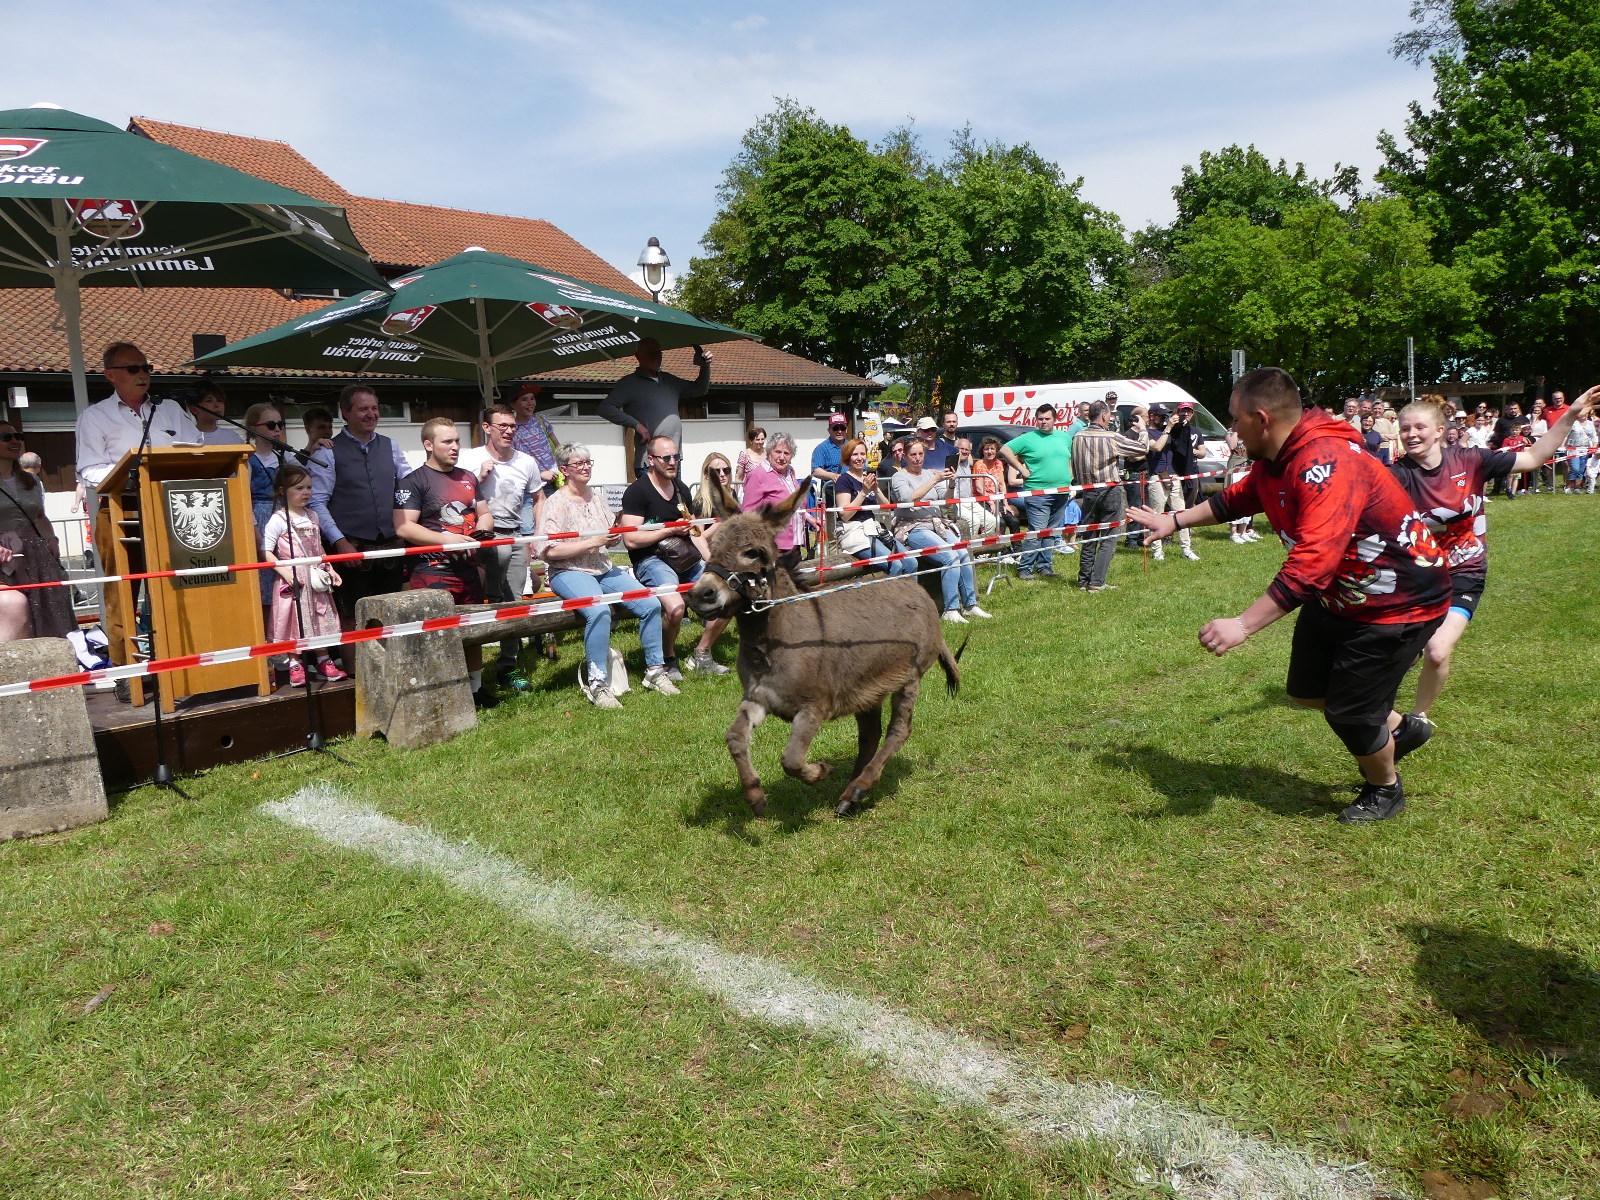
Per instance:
(973,610)
(1190,554)
(1238,539)
(955,618)
(1069,549)
(656,680)
(704,664)
(598,692)
(1159,554)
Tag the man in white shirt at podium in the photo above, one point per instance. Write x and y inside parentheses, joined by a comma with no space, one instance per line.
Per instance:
(110,428)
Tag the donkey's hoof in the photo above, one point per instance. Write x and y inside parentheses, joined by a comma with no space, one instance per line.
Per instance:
(815,773)
(758,804)
(848,801)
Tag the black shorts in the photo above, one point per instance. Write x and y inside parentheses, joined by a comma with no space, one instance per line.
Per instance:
(1353,667)
(1465,592)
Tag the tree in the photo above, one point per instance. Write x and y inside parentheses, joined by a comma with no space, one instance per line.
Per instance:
(1504,168)
(1329,294)
(1022,279)
(1244,186)
(814,246)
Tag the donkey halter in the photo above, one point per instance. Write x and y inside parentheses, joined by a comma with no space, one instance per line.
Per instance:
(742,583)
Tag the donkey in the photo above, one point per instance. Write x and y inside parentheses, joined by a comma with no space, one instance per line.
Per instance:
(811,661)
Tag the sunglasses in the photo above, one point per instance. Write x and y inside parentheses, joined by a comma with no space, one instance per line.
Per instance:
(719,470)
(667,457)
(133,368)
(268,425)
(10,437)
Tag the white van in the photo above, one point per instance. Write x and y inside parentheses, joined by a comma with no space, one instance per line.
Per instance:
(1014,405)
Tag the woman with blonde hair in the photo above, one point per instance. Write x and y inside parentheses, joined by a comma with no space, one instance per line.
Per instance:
(714,495)
(1447,485)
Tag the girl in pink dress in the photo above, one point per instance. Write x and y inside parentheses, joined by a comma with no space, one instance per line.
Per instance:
(291,532)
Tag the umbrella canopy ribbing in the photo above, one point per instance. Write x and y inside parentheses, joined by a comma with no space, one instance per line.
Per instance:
(84,203)
(475,315)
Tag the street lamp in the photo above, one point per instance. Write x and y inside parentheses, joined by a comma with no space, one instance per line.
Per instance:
(653,264)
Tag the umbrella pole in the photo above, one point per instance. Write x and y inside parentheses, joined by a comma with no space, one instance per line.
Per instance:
(69,299)
(487,385)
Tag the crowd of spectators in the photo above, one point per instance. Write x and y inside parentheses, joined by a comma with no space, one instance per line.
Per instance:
(358,492)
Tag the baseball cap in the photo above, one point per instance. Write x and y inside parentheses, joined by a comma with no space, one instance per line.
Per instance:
(1159,410)
(1111,395)
(837,419)
(529,389)
(926,423)
(1185,403)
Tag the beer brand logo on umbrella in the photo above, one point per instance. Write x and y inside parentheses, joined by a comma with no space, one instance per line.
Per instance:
(397,284)
(110,218)
(558,315)
(19,147)
(401,323)
(199,517)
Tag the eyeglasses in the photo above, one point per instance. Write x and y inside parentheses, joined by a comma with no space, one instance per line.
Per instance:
(132,368)
(503,426)
(10,437)
(667,457)
(721,470)
(579,462)
(267,425)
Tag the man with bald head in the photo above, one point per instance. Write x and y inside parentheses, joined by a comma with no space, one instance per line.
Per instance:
(647,401)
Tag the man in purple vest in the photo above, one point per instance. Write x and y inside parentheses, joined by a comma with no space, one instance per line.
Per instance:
(354,500)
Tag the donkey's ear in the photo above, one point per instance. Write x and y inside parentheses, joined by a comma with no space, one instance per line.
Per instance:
(780,514)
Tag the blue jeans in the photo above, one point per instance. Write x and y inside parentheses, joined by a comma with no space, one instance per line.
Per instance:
(1043,512)
(654,573)
(597,617)
(955,569)
(877,548)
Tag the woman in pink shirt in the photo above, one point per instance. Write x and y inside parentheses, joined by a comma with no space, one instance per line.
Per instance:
(771,481)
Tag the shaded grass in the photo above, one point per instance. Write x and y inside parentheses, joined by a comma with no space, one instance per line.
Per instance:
(1112,853)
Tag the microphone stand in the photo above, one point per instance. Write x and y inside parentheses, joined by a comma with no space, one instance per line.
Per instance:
(315,741)
(162,776)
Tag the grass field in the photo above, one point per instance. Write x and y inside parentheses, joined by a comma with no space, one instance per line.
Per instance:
(1112,856)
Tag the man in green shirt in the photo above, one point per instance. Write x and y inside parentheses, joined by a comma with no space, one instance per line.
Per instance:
(1043,457)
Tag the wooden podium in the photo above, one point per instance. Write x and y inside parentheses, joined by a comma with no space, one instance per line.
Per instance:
(191,508)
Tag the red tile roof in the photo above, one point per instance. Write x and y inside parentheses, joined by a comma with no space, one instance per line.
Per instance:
(396,234)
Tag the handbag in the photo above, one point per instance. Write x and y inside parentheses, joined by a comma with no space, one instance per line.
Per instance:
(679,553)
(321,579)
(854,538)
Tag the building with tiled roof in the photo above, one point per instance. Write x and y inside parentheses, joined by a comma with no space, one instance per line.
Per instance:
(751,383)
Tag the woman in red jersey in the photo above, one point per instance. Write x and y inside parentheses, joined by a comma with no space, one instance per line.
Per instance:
(1447,484)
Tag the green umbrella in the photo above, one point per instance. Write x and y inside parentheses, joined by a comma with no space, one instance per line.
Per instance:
(476,315)
(82,201)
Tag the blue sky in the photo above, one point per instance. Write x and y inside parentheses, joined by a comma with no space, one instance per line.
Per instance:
(616,120)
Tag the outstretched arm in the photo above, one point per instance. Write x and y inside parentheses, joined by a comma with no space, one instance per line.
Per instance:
(1556,436)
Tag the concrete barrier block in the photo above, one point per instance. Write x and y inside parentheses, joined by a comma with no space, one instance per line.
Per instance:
(49,775)
(413,690)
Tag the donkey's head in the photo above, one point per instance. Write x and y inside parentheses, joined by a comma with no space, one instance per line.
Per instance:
(744,560)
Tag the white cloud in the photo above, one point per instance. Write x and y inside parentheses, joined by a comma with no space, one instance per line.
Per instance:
(748,24)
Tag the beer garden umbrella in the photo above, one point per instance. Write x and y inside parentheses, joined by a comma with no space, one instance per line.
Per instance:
(84,203)
(475,315)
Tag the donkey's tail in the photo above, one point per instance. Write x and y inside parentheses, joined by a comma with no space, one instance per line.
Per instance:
(948,661)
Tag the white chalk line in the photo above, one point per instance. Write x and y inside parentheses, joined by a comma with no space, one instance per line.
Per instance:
(1197,1155)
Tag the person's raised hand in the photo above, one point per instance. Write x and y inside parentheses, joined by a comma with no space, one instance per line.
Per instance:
(484,468)
(1589,402)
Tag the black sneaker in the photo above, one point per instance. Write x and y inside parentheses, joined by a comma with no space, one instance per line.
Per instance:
(1376,803)
(485,696)
(1410,734)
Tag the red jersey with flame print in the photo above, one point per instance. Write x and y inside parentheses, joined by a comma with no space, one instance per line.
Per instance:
(1356,542)
(1451,498)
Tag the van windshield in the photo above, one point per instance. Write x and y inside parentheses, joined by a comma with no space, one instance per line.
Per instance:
(1207,424)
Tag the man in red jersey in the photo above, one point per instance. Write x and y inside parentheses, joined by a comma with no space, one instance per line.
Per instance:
(1363,569)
